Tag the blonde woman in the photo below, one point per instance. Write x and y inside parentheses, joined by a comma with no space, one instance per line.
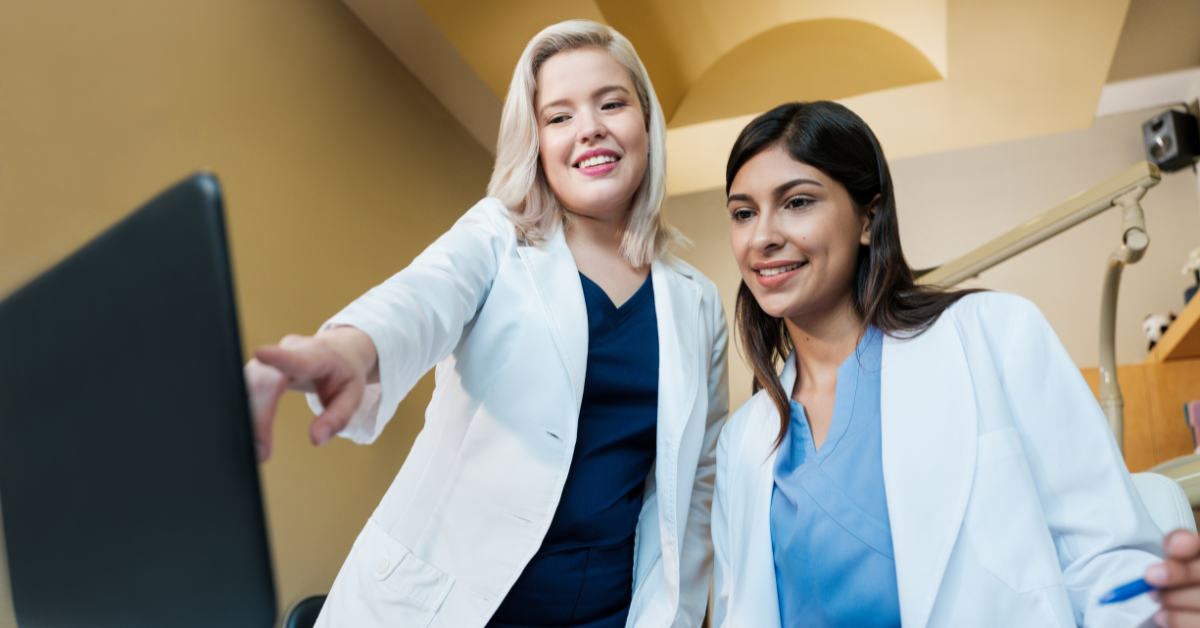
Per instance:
(565,471)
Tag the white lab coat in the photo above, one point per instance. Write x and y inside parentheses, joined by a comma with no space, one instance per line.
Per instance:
(1009,502)
(507,327)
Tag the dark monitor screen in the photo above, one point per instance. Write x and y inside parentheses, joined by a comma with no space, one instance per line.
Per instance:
(127,472)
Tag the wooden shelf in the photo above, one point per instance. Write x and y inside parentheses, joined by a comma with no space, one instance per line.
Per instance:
(1182,339)
(1157,436)
(1155,428)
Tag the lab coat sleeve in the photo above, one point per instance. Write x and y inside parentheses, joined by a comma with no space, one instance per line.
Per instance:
(1102,532)
(416,317)
(722,544)
(695,569)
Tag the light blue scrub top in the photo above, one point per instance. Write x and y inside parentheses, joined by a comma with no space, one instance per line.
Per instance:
(829,523)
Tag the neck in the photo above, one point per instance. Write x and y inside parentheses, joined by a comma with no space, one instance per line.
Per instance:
(598,233)
(823,341)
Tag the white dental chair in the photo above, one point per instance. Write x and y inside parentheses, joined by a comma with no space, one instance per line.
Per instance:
(1166,501)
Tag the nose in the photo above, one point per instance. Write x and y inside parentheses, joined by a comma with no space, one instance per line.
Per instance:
(591,128)
(766,236)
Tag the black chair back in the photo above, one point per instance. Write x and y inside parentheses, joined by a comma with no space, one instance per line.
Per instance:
(304,613)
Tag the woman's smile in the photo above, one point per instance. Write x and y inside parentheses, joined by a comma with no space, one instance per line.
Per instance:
(771,274)
(597,162)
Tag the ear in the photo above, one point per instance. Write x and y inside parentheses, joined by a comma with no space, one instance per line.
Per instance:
(868,219)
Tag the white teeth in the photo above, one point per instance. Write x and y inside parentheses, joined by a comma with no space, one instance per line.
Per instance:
(768,272)
(596,161)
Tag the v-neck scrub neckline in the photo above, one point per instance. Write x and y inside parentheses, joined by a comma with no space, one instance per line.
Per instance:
(830,533)
(617,314)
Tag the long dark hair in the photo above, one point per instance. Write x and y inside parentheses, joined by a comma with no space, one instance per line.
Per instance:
(832,139)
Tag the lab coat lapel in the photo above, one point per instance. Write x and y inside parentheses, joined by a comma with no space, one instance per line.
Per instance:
(556,279)
(759,600)
(929,427)
(677,307)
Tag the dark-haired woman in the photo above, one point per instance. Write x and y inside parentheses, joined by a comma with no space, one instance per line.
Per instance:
(926,458)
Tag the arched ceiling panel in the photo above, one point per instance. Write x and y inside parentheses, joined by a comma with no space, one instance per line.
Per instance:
(646,29)
(1021,68)
(491,35)
(680,40)
(823,59)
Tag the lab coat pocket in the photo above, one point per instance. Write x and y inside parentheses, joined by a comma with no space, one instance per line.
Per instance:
(412,590)
(1006,525)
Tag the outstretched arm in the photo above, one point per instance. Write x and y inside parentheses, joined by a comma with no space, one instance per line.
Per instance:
(336,365)
(365,359)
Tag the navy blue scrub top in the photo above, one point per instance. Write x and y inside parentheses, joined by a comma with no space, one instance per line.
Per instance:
(830,530)
(582,576)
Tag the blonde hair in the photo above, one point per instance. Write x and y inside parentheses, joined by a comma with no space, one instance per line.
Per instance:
(518,180)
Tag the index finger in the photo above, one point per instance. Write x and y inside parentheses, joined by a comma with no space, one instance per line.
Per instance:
(1182,545)
(298,363)
(1173,574)
(264,386)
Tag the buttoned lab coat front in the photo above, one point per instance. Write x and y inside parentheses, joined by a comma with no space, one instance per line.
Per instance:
(1009,502)
(506,324)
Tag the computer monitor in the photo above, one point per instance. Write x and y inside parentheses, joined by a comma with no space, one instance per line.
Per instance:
(128,478)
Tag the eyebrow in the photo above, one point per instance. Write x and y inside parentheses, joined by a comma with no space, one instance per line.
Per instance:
(596,94)
(778,190)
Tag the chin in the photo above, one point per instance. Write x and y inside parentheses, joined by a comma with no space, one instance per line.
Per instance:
(776,306)
(786,304)
(598,205)
(775,312)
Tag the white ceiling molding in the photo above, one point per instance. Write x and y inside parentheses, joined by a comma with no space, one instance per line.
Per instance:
(410,35)
(1149,92)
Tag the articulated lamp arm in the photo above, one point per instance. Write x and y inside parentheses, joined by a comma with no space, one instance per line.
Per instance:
(1134,242)
(1071,212)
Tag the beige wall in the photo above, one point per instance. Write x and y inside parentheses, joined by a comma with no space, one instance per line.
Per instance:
(338,168)
(952,202)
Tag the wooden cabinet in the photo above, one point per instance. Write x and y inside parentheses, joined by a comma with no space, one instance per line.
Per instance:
(1155,428)
(1155,391)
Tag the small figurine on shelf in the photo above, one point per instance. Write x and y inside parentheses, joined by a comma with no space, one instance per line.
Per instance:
(1192,266)
(1191,414)
(1155,325)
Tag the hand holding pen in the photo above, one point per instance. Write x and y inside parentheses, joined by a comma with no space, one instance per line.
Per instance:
(1174,583)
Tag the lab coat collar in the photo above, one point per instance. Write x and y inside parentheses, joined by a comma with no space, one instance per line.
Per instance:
(929,428)
(556,279)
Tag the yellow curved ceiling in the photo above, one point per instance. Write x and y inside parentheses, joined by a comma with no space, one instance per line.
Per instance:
(824,59)
(679,40)
(491,34)
(927,75)
(695,51)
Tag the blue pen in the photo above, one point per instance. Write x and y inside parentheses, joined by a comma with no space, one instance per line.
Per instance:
(1126,591)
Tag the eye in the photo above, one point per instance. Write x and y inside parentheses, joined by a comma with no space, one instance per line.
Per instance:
(798,202)
(741,214)
(557,119)
(613,105)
